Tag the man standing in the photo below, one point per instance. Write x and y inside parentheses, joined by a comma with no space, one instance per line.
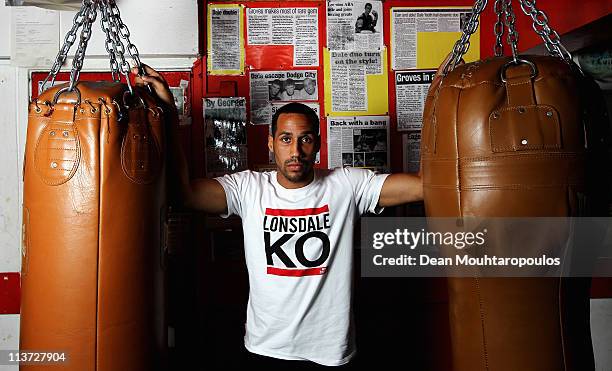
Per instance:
(370,18)
(298,226)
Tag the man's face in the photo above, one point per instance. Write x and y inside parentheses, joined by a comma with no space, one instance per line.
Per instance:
(295,146)
(290,89)
(309,86)
(274,89)
(368,9)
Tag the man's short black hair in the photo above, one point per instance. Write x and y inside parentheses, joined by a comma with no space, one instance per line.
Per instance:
(299,108)
(289,81)
(368,4)
(277,82)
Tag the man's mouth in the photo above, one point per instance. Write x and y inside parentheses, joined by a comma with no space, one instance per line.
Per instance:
(295,166)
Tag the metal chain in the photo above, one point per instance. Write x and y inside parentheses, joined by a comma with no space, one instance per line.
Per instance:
(463,44)
(124,32)
(498,7)
(108,44)
(513,36)
(118,48)
(79,56)
(551,38)
(69,40)
(114,29)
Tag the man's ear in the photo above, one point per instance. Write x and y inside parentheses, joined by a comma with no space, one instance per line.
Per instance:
(271,143)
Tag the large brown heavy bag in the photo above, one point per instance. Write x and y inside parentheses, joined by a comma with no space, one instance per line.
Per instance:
(92,283)
(519,148)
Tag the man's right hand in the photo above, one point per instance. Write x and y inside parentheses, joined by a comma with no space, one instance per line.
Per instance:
(203,194)
(158,83)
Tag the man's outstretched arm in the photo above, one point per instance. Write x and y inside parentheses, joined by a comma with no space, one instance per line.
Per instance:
(202,194)
(401,188)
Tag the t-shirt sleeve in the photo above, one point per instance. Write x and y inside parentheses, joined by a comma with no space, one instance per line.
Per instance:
(366,186)
(233,185)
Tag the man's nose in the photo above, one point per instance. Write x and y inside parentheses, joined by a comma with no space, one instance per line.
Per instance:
(296,149)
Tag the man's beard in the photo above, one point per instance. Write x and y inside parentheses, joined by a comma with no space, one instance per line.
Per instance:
(297,177)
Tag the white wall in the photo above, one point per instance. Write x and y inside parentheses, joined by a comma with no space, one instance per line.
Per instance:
(9,172)
(169,27)
(5,27)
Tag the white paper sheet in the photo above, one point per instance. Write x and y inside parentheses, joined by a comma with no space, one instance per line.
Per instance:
(34,37)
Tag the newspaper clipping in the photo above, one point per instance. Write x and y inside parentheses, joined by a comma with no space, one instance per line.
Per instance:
(224,36)
(286,26)
(410,92)
(284,86)
(348,77)
(226,135)
(182,102)
(361,141)
(407,22)
(411,144)
(354,25)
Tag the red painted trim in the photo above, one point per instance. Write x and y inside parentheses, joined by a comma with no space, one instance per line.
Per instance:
(10,293)
(297,272)
(297,212)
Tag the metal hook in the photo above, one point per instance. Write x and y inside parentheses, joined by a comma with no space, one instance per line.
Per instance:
(103,102)
(93,109)
(534,69)
(126,96)
(50,110)
(37,109)
(67,90)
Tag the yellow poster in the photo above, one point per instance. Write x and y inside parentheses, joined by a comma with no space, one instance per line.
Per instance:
(356,83)
(422,37)
(225,39)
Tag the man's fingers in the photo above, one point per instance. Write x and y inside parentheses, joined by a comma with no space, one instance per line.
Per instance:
(150,71)
(157,82)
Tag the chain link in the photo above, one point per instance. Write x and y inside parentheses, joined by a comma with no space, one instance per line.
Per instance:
(463,44)
(124,32)
(499,30)
(79,56)
(118,50)
(69,40)
(115,31)
(513,36)
(551,38)
(108,44)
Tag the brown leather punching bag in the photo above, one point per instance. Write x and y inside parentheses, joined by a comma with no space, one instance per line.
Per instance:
(92,283)
(511,138)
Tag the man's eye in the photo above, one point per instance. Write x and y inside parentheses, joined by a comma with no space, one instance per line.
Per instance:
(306,139)
(285,139)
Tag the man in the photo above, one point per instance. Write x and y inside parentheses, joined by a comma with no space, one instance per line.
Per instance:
(289,93)
(309,91)
(369,20)
(298,227)
(275,88)
(359,24)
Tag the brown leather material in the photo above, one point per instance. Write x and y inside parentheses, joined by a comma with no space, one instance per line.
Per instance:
(92,283)
(514,149)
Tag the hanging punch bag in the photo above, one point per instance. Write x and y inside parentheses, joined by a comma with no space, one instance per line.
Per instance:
(514,137)
(92,283)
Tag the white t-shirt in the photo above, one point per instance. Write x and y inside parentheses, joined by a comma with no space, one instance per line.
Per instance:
(299,254)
